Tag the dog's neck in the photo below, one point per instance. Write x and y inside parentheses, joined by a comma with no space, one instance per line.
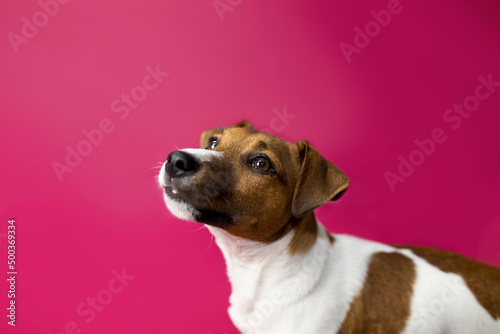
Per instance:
(254,268)
(248,261)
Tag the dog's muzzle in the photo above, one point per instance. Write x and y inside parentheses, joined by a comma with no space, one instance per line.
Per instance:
(190,192)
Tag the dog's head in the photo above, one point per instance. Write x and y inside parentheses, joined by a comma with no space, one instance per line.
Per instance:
(249,183)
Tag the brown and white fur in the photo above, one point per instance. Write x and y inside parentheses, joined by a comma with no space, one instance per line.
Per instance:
(256,193)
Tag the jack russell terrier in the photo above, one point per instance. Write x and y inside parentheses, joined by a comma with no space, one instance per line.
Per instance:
(256,194)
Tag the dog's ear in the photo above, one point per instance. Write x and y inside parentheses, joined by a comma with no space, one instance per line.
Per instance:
(205,136)
(243,124)
(319,181)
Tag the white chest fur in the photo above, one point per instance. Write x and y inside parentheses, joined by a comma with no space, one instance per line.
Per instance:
(274,292)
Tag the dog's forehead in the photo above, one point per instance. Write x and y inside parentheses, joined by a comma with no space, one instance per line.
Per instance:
(246,137)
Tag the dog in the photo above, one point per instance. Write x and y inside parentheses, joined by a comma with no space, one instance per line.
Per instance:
(256,193)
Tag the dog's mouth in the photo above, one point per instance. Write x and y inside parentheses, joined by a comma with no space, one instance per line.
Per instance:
(202,213)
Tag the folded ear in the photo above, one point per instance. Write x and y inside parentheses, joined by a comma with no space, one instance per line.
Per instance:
(243,124)
(205,136)
(319,181)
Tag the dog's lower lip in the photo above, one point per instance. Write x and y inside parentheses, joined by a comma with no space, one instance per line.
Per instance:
(172,192)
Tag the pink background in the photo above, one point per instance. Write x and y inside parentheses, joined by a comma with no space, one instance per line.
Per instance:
(108,213)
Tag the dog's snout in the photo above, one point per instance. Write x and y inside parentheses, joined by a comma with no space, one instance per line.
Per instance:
(180,163)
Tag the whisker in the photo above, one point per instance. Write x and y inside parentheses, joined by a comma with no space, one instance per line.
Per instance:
(160,164)
(196,230)
(211,240)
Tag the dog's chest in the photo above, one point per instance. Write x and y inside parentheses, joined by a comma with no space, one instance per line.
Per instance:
(320,292)
(299,294)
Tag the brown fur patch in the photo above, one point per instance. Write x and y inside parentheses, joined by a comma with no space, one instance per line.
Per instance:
(384,303)
(483,280)
(331,238)
(304,237)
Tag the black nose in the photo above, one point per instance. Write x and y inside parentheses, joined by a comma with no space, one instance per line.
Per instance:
(180,163)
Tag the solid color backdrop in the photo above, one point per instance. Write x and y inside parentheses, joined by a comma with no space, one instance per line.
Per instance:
(96,93)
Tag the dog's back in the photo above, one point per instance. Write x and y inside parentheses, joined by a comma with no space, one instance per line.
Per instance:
(410,289)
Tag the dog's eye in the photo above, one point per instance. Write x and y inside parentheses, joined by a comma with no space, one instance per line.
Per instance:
(261,164)
(212,142)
